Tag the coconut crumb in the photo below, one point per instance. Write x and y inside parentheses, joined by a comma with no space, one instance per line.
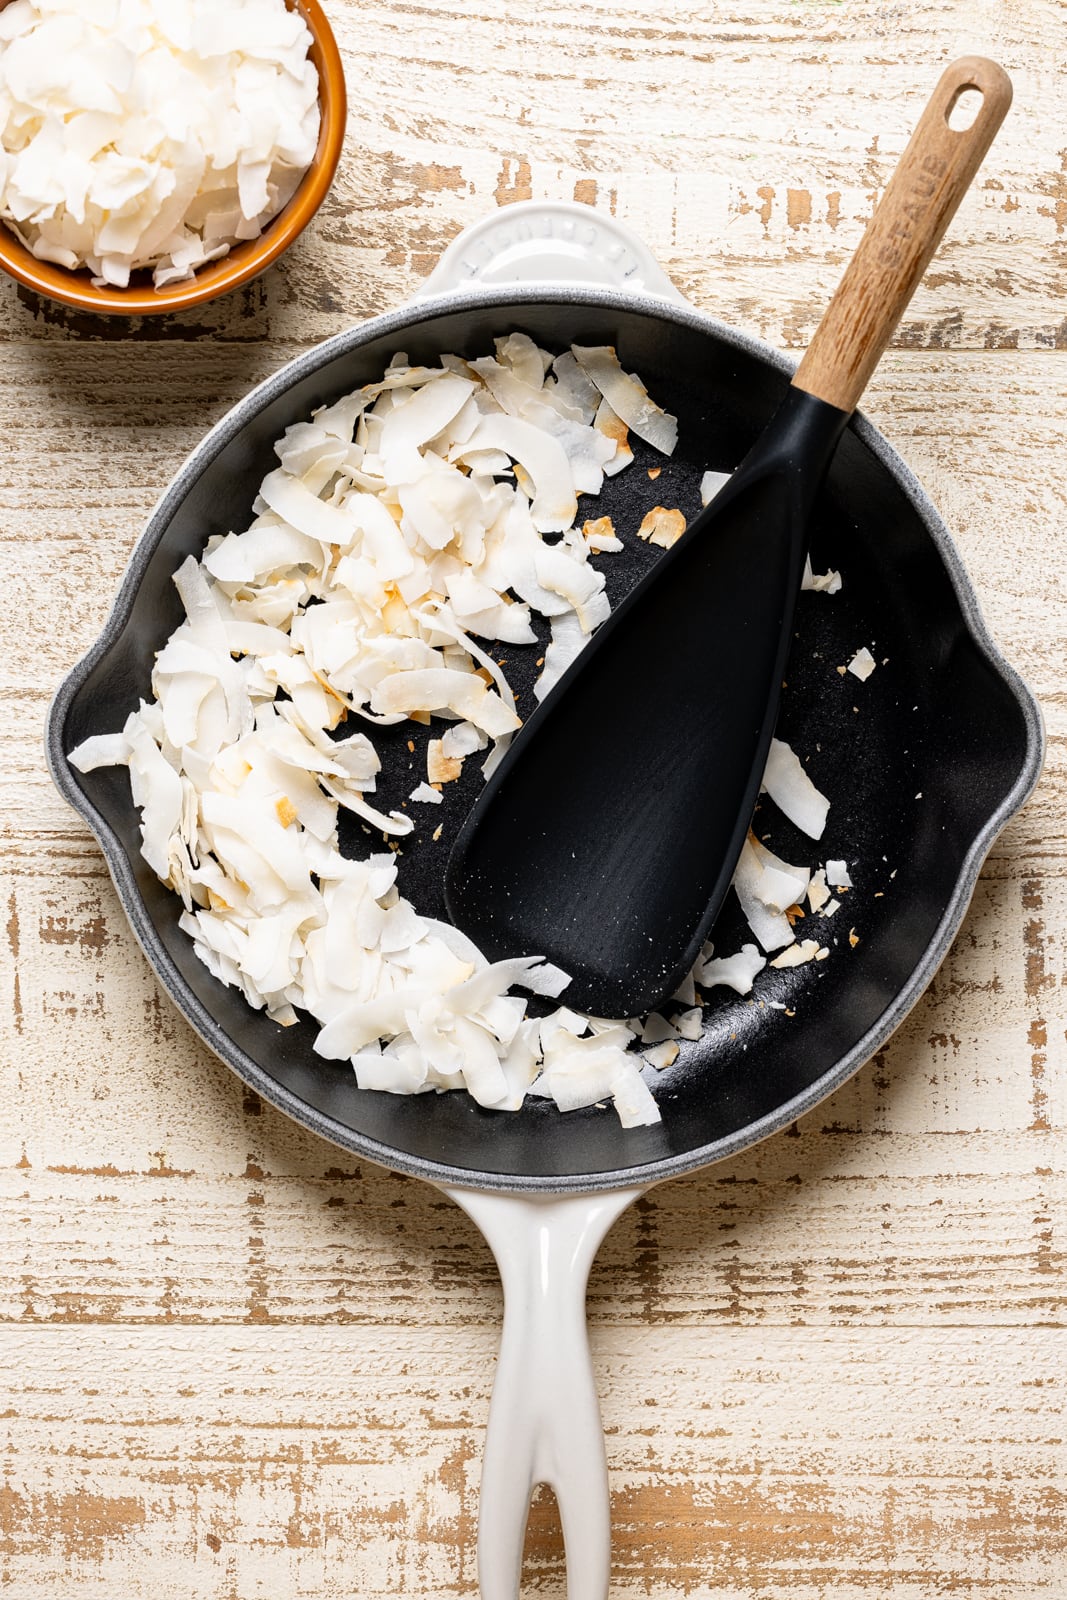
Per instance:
(285,810)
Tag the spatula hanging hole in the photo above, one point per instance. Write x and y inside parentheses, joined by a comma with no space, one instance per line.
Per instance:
(965,106)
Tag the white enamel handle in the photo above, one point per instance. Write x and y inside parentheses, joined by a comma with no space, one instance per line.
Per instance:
(544,1417)
(548,241)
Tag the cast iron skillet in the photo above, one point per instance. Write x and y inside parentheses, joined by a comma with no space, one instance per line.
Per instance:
(924,764)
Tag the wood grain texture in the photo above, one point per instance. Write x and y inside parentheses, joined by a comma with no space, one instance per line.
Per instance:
(920,200)
(235,1364)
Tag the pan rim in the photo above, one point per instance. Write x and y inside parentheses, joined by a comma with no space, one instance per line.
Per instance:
(200,1019)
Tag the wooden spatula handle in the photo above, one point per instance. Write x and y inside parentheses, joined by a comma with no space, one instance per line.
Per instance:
(924,192)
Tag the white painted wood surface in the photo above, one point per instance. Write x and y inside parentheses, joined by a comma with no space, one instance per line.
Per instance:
(235,1365)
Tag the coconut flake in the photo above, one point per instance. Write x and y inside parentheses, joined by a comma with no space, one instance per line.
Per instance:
(689,1024)
(733,972)
(710,484)
(798,955)
(759,892)
(627,397)
(793,792)
(862,664)
(663,1055)
(821,582)
(662,527)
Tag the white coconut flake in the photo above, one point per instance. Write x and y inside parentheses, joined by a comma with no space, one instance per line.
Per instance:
(656,1029)
(752,883)
(689,1024)
(862,664)
(710,484)
(837,875)
(733,972)
(820,582)
(793,792)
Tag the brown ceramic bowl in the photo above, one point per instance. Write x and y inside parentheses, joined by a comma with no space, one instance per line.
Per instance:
(244,261)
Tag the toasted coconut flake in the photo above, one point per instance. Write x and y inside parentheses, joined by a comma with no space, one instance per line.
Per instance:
(797,955)
(627,398)
(543,458)
(599,534)
(662,527)
(462,739)
(439,767)
(818,893)
(617,433)
(663,1055)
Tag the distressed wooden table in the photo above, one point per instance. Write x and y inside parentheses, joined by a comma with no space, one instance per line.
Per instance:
(237,1365)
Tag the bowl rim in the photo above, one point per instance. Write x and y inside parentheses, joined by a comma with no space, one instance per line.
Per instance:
(74,287)
(440,1170)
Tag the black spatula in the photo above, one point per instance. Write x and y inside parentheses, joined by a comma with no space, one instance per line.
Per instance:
(607,837)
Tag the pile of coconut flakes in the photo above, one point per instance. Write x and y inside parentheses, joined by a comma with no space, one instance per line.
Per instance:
(402,523)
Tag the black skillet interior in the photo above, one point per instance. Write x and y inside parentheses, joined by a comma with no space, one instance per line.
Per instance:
(917,761)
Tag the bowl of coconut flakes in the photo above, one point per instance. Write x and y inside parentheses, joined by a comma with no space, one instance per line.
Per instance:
(155,154)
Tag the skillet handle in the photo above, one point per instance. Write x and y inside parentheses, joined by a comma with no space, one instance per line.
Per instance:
(544,1417)
(548,242)
(922,197)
